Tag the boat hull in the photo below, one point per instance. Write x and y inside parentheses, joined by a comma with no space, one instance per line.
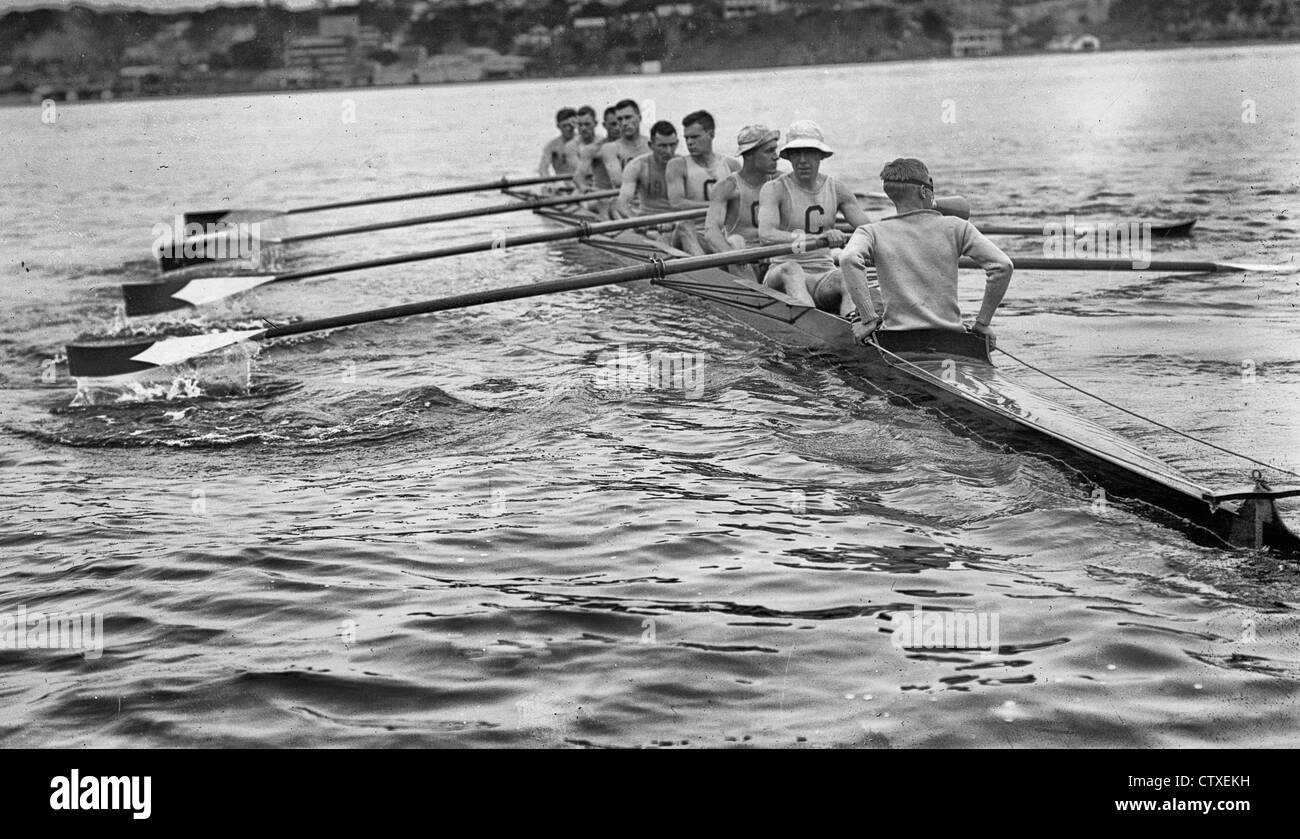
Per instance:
(951,374)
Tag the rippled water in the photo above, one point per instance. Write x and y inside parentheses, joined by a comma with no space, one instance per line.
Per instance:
(460,530)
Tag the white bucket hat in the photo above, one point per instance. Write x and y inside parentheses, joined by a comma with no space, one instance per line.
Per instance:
(805,134)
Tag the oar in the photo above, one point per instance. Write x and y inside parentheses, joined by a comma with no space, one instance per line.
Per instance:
(455,215)
(1179,229)
(1033,263)
(948,205)
(503,183)
(168,295)
(116,358)
(1159,229)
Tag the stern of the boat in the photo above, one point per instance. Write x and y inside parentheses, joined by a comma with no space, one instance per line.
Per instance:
(1257,523)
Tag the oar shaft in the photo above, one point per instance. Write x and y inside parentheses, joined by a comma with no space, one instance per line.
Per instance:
(580,232)
(478,298)
(1158,229)
(1030,263)
(495,209)
(502,183)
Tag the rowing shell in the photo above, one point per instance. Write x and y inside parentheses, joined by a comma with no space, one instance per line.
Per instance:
(951,373)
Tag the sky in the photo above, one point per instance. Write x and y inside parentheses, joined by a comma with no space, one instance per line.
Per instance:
(148,5)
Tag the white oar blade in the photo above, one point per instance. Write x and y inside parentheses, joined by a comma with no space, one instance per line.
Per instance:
(1255,267)
(169,295)
(210,289)
(177,350)
(107,358)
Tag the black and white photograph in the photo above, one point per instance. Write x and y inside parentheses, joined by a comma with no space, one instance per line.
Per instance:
(733,374)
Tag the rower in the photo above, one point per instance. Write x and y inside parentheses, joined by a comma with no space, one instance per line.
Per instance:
(915,254)
(690,178)
(732,219)
(801,204)
(646,177)
(583,149)
(610,121)
(630,144)
(554,157)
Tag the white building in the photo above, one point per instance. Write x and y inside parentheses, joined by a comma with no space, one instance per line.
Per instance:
(750,8)
(968,42)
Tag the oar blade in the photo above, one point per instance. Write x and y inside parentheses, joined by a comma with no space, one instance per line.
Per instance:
(167,264)
(99,360)
(153,298)
(107,359)
(170,295)
(203,218)
(1260,268)
(212,237)
(1173,229)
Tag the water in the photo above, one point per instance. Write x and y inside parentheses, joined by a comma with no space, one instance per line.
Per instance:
(458,530)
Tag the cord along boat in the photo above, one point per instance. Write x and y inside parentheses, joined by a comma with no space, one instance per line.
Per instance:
(951,373)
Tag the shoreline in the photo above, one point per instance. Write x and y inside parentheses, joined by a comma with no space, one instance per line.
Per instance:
(24,100)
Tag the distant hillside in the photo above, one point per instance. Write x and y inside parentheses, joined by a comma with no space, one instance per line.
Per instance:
(1155,21)
(825,38)
(223,49)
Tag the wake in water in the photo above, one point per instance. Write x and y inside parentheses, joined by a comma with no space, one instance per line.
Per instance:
(268,412)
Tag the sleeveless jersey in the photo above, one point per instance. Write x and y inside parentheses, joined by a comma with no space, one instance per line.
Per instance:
(702,180)
(742,218)
(652,191)
(560,161)
(811,212)
(626,155)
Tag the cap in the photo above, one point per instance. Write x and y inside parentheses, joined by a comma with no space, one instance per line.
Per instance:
(805,134)
(753,136)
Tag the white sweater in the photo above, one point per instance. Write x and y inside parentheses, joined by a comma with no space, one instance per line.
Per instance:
(915,255)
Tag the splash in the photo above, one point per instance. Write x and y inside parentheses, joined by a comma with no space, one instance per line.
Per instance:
(224,373)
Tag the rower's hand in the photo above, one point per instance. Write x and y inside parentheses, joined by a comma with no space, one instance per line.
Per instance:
(863,330)
(988,333)
(835,238)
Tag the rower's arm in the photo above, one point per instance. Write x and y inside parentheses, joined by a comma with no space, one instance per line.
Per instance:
(675,175)
(582,174)
(627,189)
(997,270)
(769,216)
(571,157)
(544,168)
(850,206)
(609,154)
(715,220)
(854,259)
